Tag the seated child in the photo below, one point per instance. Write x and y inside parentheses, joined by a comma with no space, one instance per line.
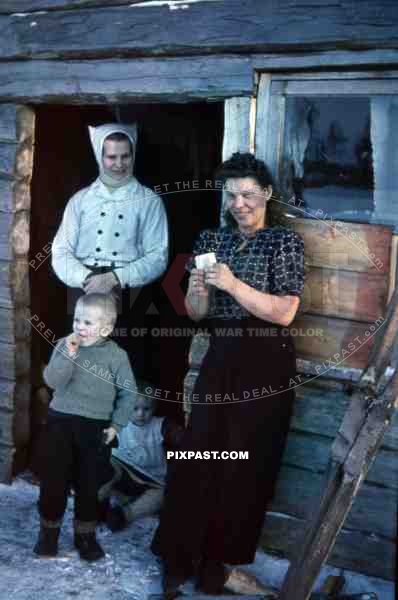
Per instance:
(137,471)
(94,388)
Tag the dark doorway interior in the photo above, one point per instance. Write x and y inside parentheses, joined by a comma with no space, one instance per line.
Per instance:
(177,143)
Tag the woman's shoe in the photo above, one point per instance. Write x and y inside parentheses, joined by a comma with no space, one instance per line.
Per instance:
(212,577)
(174,575)
(47,543)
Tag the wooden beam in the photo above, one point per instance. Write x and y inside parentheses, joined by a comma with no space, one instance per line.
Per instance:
(6,458)
(24,6)
(353,452)
(145,80)
(355,550)
(236,126)
(312,453)
(202,27)
(373,510)
(159,80)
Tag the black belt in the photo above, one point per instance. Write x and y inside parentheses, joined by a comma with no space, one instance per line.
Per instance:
(96,270)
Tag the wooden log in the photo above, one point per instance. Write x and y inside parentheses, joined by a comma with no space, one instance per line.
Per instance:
(15,360)
(312,453)
(19,6)
(7,158)
(6,427)
(6,223)
(169,79)
(256,26)
(236,126)
(317,412)
(5,288)
(348,470)
(25,125)
(14,283)
(6,195)
(355,550)
(373,511)
(310,369)
(333,342)
(6,459)
(14,235)
(23,358)
(347,246)
(345,294)
(14,324)
(7,390)
(8,131)
(20,234)
(135,81)
(22,197)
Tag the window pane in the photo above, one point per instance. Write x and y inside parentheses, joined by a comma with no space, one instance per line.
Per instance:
(327,162)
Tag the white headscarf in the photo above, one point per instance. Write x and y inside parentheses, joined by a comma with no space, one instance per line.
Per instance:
(98,136)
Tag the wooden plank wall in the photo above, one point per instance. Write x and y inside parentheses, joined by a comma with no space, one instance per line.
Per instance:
(367,542)
(346,290)
(16,154)
(200,27)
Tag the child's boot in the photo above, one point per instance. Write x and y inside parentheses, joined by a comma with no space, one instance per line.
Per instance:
(47,543)
(86,542)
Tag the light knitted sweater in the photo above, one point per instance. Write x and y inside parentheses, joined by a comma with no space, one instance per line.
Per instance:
(98,383)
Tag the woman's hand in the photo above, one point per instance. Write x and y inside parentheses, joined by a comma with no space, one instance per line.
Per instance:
(197,284)
(221,277)
(101,283)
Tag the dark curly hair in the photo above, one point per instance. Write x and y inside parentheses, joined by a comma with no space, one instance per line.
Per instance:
(247,165)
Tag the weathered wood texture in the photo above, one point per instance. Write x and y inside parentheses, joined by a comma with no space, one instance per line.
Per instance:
(18,6)
(236,126)
(14,283)
(320,412)
(345,294)
(333,342)
(358,551)
(348,246)
(15,360)
(164,79)
(255,25)
(367,544)
(6,458)
(346,290)
(16,161)
(173,79)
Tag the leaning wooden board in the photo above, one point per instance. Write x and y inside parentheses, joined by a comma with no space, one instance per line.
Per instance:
(358,247)
(346,290)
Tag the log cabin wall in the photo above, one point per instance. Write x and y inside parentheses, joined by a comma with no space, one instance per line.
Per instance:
(16,156)
(102,51)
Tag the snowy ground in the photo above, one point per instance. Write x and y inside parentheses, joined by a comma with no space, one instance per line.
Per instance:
(128,572)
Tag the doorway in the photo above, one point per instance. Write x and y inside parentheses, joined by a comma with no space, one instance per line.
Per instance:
(177,143)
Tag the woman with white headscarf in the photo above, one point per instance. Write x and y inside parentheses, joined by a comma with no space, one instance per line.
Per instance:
(114,232)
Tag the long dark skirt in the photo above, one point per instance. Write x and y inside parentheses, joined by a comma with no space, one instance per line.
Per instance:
(215,508)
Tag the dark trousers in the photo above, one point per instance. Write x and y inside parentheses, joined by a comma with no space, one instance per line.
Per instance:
(74,452)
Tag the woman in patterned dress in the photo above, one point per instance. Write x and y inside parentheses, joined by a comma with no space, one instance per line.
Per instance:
(214,508)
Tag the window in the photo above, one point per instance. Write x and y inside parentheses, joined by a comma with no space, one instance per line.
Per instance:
(332,143)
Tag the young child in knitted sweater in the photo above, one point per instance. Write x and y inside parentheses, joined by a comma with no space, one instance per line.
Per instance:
(94,389)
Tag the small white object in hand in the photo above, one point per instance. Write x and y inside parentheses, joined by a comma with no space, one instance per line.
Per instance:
(204,261)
